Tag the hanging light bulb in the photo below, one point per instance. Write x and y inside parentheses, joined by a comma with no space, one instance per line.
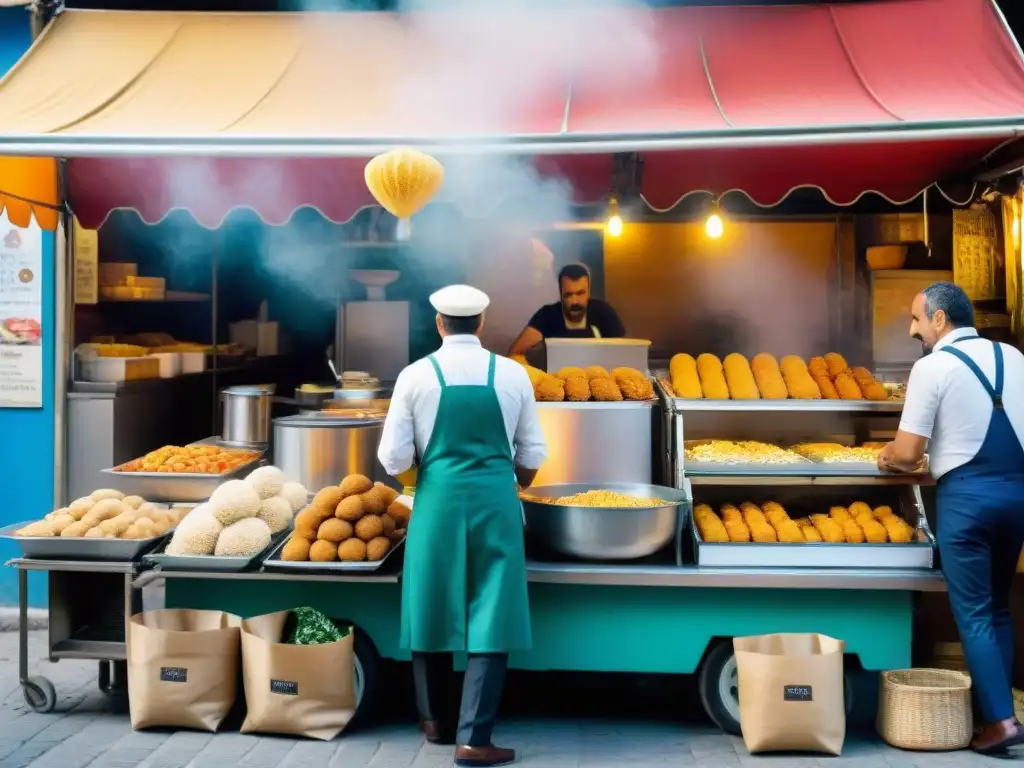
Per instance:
(614,225)
(714,227)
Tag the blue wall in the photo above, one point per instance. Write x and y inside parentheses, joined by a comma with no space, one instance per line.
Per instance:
(26,435)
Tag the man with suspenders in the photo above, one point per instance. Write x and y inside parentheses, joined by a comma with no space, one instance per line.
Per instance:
(965,406)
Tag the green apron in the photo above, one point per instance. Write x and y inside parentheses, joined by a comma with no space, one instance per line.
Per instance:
(464,581)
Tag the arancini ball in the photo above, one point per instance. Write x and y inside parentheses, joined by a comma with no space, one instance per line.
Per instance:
(296,550)
(388,522)
(352,551)
(333,529)
(373,504)
(350,509)
(377,548)
(386,493)
(369,527)
(400,514)
(308,522)
(327,498)
(397,535)
(323,551)
(354,485)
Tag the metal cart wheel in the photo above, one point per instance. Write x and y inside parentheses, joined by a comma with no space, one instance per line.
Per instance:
(39,694)
(367,673)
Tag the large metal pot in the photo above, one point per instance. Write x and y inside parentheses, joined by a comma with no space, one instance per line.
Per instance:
(320,449)
(246,416)
(604,533)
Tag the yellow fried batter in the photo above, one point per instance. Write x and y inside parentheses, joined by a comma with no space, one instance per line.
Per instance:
(775,512)
(709,525)
(605,390)
(685,380)
(789,532)
(882,512)
(829,529)
(853,532)
(858,508)
(874,391)
(768,377)
(804,522)
(828,389)
(734,524)
(536,375)
(712,377)
(596,372)
(739,378)
(760,529)
(839,514)
(569,372)
(549,390)
(818,367)
(847,387)
(633,384)
(874,531)
(811,535)
(898,530)
(577,389)
(836,364)
(798,380)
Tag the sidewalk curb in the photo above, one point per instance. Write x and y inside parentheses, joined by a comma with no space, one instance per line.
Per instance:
(37,619)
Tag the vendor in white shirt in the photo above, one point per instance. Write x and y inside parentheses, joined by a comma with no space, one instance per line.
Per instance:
(467,420)
(965,405)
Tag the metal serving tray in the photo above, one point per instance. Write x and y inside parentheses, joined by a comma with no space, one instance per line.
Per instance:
(166,486)
(212,563)
(754,555)
(275,563)
(79,548)
(802,469)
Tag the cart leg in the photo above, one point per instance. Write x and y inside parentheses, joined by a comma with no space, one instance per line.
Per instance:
(23,625)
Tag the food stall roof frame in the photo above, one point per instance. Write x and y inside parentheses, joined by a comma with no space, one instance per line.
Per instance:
(757,99)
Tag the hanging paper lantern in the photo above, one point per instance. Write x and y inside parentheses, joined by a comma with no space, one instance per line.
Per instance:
(403,181)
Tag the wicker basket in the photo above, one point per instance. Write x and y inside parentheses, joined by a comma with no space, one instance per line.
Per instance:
(925,709)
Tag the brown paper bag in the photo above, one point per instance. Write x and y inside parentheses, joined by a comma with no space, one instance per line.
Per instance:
(182,668)
(299,690)
(791,693)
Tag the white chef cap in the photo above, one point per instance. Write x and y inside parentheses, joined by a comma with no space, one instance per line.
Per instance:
(459,301)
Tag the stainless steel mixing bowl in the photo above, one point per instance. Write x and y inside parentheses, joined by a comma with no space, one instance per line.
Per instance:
(604,533)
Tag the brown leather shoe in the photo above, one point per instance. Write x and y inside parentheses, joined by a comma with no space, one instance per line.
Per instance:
(437,734)
(994,738)
(483,757)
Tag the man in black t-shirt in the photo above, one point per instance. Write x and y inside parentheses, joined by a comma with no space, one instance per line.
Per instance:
(576,316)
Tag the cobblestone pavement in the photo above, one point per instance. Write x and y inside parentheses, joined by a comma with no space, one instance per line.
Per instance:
(86,731)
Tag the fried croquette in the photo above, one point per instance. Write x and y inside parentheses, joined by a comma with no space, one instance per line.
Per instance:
(768,377)
(898,530)
(829,529)
(377,548)
(828,389)
(836,364)
(710,527)
(761,530)
(874,531)
(789,532)
(350,509)
(817,366)
(577,389)
(682,370)
(329,497)
(308,521)
(354,485)
(373,504)
(323,551)
(798,380)
(839,514)
(712,377)
(874,391)
(352,550)
(571,372)
(633,388)
(296,550)
(388,522)
(333,529)
(397,535)
(858,508)
(549,390)
(737,529)
(803,522)
(536,375)
(847,387)
(386,493)
(775,512)
(739,378)
(369,527)
(882,512)
(811,535)
(853,533)
(596,372)
(400,514)
(605,390)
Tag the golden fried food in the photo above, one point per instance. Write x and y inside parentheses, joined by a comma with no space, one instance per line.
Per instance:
(853,533)
(827,388)
(353,485)
(536,375)
(369,527)
(829,529)
(333,529)
(682,370)
(712,377)
(742,452)
(605,390)
(373,504)
(874,531)
(897,529)
(633,388)
(789,532)
(811,534)
(882,512)
(323,551)
(768,377)
(40,528)
(858,508)
(350,509)
(735,526)
(710,527)
(386,493)
(775,512)
(200,459)
(549,390)
(352,551)
(571,372)
(739,378)
(329,497)
(624,372)
(798,380)
(577,389)
(839,514)
(804,522)
(296,550)
(397,535)
(874,391)
(861,375)
(377,548)
(760,529)
(817,366)
(596,372)
(836,364)
(847,387)
(388,522)
(598,498)
(308,522)
(400,513)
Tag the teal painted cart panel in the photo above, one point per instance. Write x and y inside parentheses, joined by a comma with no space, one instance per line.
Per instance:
(598,628)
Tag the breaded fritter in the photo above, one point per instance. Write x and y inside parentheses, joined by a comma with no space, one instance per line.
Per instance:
(577,389)
(798,380)
(768,377)
(735,526)
(549,390)
(570,372)
(712,377)
(828,389)
(710,527)
(898,530)
(874,531)
(605,390)
(685,381)
(817,366)
(829,529)
(596,372)
(847,387)
(739,378)
(836,364)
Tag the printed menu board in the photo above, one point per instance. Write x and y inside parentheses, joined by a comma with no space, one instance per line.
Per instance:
(21,315)
(975,253)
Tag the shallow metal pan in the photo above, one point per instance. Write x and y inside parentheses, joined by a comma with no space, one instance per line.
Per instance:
(79,548)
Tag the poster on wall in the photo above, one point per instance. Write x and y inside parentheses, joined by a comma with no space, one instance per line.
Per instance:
(21,315)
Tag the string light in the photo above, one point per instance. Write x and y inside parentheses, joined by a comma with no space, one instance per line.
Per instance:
(614,225)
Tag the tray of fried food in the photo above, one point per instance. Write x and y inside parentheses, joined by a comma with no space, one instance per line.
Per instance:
(591,384)
(195,459)
(732,456)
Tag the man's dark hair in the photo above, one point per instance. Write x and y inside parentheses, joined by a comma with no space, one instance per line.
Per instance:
(952,300)
(573,272)
(461,326)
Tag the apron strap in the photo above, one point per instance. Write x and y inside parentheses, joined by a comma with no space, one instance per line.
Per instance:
(996,392)
(490,372)
(595,331)
(437,370)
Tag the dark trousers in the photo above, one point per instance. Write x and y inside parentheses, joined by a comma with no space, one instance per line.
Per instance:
(481,693)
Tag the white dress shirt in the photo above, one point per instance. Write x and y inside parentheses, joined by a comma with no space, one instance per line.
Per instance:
(410,419)
(948,405)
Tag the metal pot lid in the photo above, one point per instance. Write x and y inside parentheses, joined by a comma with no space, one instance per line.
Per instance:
(326,419)
(247,391)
